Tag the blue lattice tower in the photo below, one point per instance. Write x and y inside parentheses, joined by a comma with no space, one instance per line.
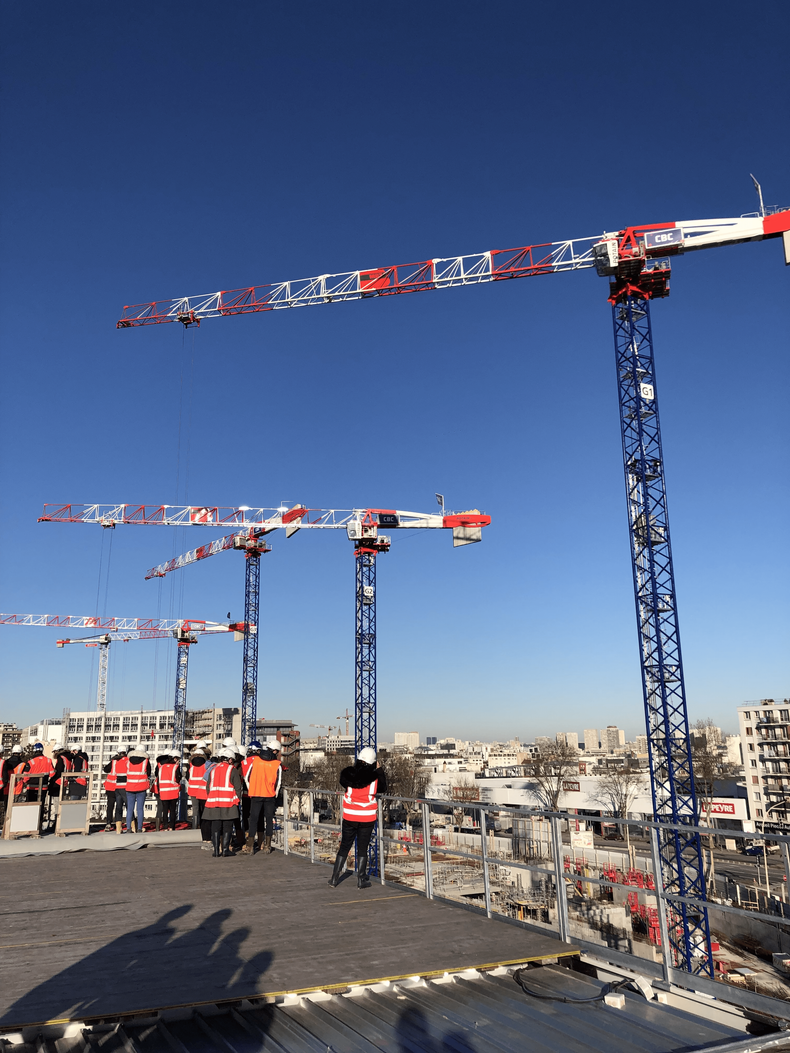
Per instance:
(185,641)
(249,679)
(253,548)
(669,747)
(365,658)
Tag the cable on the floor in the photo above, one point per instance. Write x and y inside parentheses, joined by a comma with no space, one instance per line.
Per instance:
(605,990)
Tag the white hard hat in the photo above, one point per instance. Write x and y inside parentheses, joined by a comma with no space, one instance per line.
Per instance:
(229,753)
(229,742)
(367,755)
(16,749)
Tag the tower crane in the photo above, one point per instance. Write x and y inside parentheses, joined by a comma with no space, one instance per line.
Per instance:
(185,631)
(637,261)
(361,526)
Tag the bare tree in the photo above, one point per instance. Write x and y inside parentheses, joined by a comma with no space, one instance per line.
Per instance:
(551,765)
(463,791)
(706,766)
(325,775)
(406,778)
(617,790)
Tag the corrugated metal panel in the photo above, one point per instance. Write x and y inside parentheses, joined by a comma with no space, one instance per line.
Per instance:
(468,1013)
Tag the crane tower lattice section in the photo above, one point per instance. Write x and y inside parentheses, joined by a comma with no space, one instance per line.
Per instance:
(672,777)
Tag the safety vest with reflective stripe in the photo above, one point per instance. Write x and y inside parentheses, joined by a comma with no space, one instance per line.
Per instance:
(264,778)
(67,766)
(111,782)
(246,765)
(39,765)
(21,781)
(80,765)
(359,803)
(196,787)
(169,789)
(121,768)
(136,776)
(221,793)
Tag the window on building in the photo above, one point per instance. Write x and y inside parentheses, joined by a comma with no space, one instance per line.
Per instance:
(747,716)
(784,715)
(759,811)
(757,797)
(751,747)
(748,731)
(756,780)
(753,763)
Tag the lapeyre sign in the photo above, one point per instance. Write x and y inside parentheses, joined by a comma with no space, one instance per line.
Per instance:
(571,786)
(719,808)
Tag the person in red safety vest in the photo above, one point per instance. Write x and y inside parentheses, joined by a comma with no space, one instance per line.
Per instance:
(42,768)
(167,787)
(196,788)
(138,774)
(224,788)
(361,782)
(115,767)
(15,765)
(264,778)
(78,787)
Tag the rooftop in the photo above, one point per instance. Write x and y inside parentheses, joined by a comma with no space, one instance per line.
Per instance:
(173,949)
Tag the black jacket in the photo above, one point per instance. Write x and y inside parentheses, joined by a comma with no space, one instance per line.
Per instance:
(361,774)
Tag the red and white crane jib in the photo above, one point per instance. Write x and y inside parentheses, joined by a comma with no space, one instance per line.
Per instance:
(187,632)
(474,269)
(359,524)
(73,621)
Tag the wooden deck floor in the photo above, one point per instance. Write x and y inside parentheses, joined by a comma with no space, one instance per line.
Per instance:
(95,934)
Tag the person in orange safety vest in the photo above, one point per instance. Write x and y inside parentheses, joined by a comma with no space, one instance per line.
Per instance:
(264,781)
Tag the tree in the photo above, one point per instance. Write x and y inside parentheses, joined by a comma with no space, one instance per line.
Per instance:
(325,775)
(706,764)
(406,778)
(617,790)
(463,791)
(551,765)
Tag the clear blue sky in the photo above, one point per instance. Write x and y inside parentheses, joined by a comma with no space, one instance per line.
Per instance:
(153,150)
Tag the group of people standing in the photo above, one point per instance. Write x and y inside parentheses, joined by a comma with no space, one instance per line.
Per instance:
(39,778)
(233,796)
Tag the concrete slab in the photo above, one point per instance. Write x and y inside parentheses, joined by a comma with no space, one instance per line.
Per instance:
(95,934)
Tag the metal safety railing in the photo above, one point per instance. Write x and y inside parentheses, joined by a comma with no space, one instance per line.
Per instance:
(530,867)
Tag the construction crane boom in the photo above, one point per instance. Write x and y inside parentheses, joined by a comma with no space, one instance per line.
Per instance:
(262,520)
(643,240)
(166,626)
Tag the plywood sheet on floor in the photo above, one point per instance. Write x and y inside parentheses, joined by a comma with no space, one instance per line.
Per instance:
(98,934)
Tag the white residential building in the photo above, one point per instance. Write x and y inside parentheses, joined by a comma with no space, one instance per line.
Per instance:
(568,738)
(591,740)
(765,737)
(411,739)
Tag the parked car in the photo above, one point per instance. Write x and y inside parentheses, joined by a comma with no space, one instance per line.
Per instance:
(756,849)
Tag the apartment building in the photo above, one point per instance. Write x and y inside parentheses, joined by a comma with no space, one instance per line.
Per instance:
(765,737)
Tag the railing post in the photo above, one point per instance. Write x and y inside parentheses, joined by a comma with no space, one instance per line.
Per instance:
(285,820)
(380,822)
(486,881)
(559,879)
(658,880)
(426,849)
(312,813)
